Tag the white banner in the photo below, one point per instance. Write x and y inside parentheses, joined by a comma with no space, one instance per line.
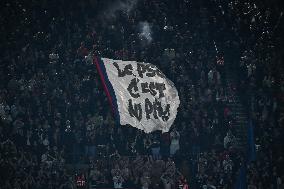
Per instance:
(145,98)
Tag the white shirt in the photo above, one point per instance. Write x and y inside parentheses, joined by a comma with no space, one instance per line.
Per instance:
(117,182)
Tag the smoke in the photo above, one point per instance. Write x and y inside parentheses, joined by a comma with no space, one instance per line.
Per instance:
(110,15)
(145,33)
(125,6)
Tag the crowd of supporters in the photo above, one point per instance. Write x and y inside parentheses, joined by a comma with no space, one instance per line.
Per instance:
(57,130)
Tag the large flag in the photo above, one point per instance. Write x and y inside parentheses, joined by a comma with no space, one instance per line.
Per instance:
(139,93)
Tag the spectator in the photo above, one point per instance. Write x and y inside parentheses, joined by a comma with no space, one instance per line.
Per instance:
(174,147)
(229,140)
